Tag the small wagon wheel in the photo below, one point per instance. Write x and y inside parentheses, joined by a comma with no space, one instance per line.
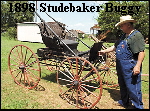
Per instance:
(106,65)
(79,82)
(108,75)
(24,66)
(110,57)
(107,70)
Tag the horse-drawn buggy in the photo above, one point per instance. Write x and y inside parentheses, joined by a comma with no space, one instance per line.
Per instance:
(80,75)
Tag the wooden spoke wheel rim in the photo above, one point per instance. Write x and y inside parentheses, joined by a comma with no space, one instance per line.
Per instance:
(24,66)
(79,82)
(108,74)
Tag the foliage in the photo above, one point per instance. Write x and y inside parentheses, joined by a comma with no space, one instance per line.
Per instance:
(107,20)
(11,32)
(9,19)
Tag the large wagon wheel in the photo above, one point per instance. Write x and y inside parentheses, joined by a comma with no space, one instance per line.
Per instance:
(79,82)
(24,66)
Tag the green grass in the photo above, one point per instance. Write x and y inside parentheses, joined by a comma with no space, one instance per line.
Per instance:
(15,97)
(82,47)
(145,64)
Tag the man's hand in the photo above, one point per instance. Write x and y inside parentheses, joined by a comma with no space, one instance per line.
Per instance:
(110,49)
(136,70)
(102,52)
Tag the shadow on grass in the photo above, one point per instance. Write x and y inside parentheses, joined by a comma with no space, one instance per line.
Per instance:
(114,93)
(39,88)
(51,77)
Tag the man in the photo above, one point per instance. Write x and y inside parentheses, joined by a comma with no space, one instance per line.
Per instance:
(129,56)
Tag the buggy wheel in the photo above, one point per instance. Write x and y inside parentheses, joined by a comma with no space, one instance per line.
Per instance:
(24,66)
(108,75)
(79,82)
(110,57)
(107,69)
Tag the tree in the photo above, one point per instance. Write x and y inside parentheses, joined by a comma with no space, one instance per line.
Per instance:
(108,17)
(9,16)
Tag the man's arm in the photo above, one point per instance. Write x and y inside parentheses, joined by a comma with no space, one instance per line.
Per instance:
(110,49)
(136,69)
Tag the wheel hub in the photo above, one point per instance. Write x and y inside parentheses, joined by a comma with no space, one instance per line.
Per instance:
(76,84)
(105,68)
(22,67)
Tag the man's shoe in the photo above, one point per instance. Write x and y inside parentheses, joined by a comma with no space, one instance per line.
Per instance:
(119,103)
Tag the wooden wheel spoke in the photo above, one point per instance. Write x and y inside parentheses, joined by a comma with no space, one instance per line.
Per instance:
(65,80)
(82,96)
(15,70)
(89,80)
(25,55)
(14,65)
(90,86)
(21,50)
(88,74)
(68,84)
(30,77)
(17,74)
(66,75)
(89,92)
(70,64)
(18,54)
(18,77)
(29,65)
(85,98)
(15,56)
(82,68)
(29,59)
(32,69)
(68,71)
(14,60)
(26,79)
(32,74)
(77,66)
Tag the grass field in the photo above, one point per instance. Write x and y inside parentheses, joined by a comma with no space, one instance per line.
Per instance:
(16,97)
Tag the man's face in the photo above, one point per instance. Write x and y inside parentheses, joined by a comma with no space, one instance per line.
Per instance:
(124,27)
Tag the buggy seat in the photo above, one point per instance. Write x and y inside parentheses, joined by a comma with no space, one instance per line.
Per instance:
(54,43)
